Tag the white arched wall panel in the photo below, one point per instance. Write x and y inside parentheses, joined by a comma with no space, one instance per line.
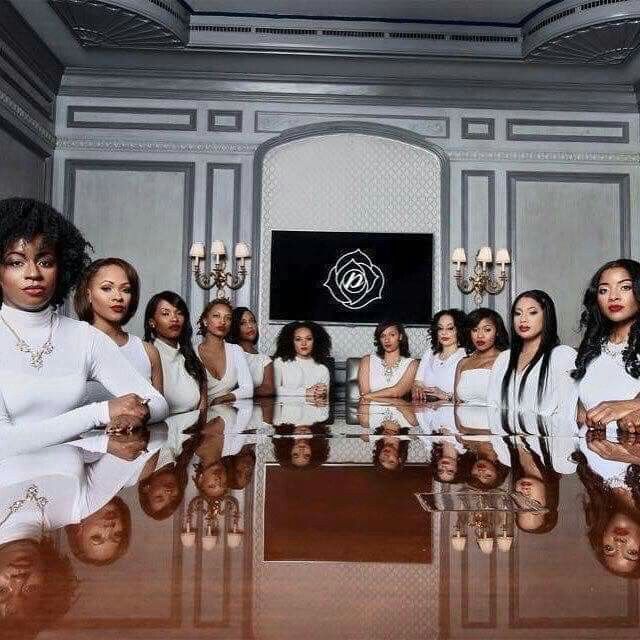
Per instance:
(349,182)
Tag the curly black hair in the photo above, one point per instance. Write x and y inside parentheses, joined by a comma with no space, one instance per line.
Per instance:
(404,338)
(24,218)
(597,327)
(549,341)
(475,317)
(285,348)
(318,443)
(464,463)
(459,319)
(192,363)
(600,504)
(202,329)
(236,319)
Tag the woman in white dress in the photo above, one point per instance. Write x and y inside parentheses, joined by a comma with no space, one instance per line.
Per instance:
(607,366)
(486,339)
(167,324)
(48,358)
(300,363)
(535,373)
(437,369)
(244,332)
(228,375)
(390,371)
(610,474)
(107,297)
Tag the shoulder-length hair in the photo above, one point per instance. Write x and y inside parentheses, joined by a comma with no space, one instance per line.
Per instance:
(81,303)
(236,319)
(24,218)
(475,317)
(285,348)
(597,327)
(404,338)
(202,329)
(549,340)
(192,363)
(459,317)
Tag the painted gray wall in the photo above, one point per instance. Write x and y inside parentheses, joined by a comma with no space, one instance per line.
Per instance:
(22,171)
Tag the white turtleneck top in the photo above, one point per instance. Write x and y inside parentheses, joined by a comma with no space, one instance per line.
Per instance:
(80,353)
(181,391)
(294,377)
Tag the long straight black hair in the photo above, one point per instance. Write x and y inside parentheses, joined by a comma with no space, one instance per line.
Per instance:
(192,363)
(549,340)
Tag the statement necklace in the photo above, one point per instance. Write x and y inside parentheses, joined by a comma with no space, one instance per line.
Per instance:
(31,496)
(615,350)
(389,369)
(37,355)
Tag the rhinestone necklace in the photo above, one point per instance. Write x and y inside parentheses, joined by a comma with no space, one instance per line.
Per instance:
(615,350)
(31,496)
(389,369)
(37,355)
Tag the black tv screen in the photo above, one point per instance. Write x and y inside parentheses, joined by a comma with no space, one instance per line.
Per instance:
(351,277)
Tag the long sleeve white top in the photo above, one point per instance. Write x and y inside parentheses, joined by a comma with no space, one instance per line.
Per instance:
(81,353)
(294,377)
(236,379)
(560,391)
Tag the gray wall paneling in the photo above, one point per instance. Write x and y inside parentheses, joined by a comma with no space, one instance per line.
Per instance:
(132,188)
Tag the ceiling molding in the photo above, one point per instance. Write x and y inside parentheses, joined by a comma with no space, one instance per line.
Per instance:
(423,92)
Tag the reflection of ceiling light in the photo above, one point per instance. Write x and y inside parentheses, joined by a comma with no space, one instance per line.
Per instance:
(486,545)
(458,540)
(213,522)
(504,542)
(484,525)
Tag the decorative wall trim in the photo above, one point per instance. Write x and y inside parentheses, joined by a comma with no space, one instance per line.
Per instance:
(71,167)
(426,91)
(365,128)
(513,177)
(112,145)
(455,154)
(189,116)
(218,119)
(209,221)
(568,131)
(491,213)
(478,129)
(41,134)
(278,121)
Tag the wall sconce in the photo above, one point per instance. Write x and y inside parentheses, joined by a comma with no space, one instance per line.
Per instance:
(219,277)
(484,525)
(214,512)
(481,281)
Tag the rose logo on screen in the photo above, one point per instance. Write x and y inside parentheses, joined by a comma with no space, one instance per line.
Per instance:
(354,281)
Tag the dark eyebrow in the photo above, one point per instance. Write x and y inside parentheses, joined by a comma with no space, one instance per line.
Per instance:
(619,282)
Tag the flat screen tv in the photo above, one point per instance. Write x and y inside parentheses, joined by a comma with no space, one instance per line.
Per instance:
(351,278)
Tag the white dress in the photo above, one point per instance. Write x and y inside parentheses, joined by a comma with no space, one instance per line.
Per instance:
(80,353)
(133,350)
(294,377)
(606,379)
(435,372)
(257,363)
(236,378)
(381,379)
(473,386)
(181,390)
(560,390)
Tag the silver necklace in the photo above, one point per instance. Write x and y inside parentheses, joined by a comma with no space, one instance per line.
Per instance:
(389,369)
(37,355)
(31,496)
(615,350)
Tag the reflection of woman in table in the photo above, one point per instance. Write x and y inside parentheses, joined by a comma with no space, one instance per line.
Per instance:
(610,474)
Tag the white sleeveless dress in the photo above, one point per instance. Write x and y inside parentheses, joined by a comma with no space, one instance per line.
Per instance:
(473,386)
(379,378)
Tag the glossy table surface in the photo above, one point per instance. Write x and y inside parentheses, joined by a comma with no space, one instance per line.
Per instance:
(288,520)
